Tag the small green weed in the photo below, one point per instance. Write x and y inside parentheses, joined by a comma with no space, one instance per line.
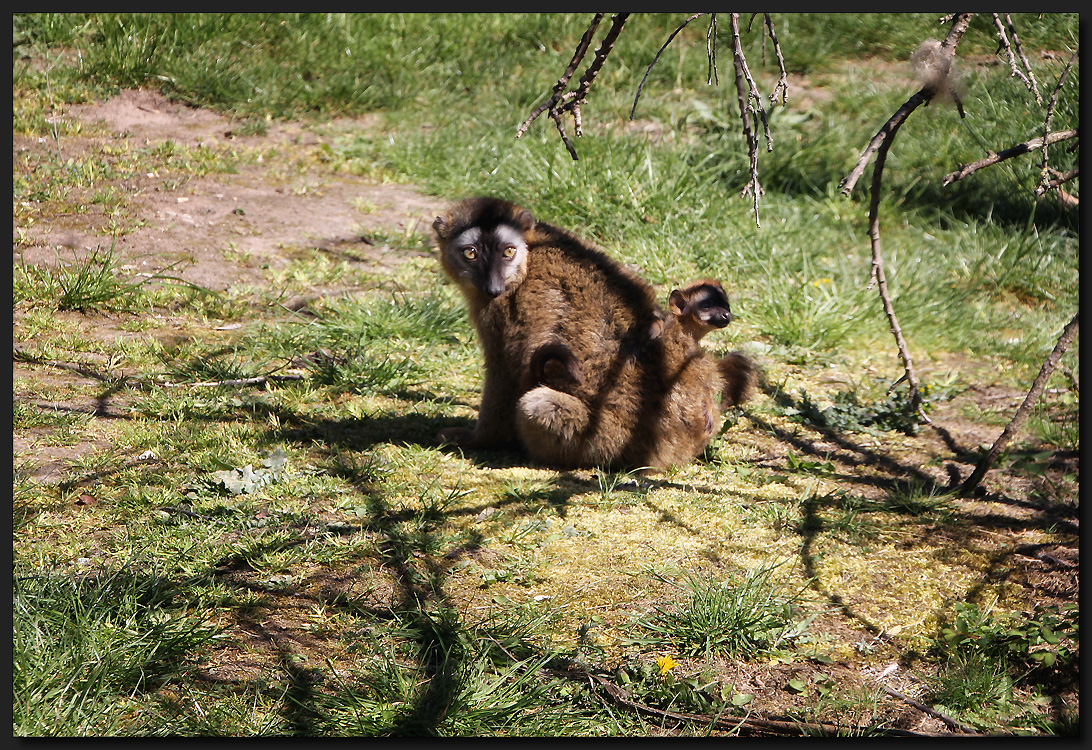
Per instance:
(1045,636)
(976,688)
(656,684)
(356,371)
(90,283)
(808,466)
(919,499)
(854,708)
(848,413)
(989,662)
(94,282)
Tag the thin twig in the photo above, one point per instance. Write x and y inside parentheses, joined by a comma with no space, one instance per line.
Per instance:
(559,103)
(619,697)
(21,355)
(878,140)
(1044,178)
(240,381)
(1016,73)
(753,94)
(617,21)
(881,279)
(745,110)
(953,723)
(1058,178)
(925,94)
(1023,58)
(1017,150)
(984,464)
(656,59)
(711,50)
(782,85)
(880,144)
(563,82)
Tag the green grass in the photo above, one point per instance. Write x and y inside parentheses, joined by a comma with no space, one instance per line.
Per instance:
(748,617)
(296,556)
(988,658)
(656,202)
(83,646)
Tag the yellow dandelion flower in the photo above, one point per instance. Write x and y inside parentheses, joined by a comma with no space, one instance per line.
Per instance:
(666,664)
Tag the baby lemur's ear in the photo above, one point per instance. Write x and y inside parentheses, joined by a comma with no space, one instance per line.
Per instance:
(441,228)
(676,302)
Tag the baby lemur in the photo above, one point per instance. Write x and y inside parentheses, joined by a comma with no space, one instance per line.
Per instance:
(570,368)
(701,306)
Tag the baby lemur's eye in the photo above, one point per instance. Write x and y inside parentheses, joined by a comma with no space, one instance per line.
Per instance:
(470,253)
(509,252)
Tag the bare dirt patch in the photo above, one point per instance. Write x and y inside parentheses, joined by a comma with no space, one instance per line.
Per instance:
(204,225)
(222,232)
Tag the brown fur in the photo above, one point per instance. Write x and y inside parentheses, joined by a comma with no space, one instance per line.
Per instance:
(567,292)
(660,409)
(570,368)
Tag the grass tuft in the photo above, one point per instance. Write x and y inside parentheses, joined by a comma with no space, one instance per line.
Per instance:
(83,646)
(734,618)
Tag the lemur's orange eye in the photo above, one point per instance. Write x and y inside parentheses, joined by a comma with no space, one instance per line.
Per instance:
(509,252)
(470,253)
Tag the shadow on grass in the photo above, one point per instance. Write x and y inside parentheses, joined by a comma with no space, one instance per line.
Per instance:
(406,544)
(966,525)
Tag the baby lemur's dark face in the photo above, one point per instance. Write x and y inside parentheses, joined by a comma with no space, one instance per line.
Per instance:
(701,307)
(710,306)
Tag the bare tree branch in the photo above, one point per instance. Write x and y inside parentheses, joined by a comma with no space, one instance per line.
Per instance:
(1045,177)
(1058,178)
(258,380)
(1024,59)
(881,279)
(754,97)
(959,26)
(984,464)
(617,21)
(711,50)
(880,144)
(953,723)
(782,86)
(656,59)
(746,93)
(559,103)
(1029,79)
(1017,150)
(563,82)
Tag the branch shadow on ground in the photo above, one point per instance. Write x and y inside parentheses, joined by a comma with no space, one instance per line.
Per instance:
(965,525)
